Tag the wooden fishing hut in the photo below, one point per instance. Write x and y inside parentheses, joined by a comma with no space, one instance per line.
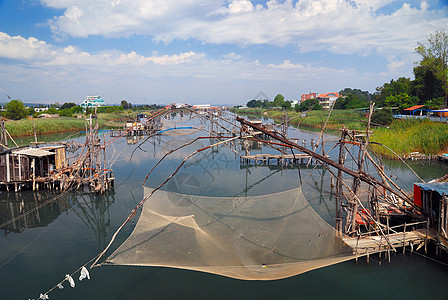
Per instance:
(140,127)
(432,197)
(22,166)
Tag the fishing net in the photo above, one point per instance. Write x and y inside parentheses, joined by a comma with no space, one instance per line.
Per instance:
(180,131)
(255,238)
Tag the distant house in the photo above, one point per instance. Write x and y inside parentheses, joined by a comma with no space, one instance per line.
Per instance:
(201,106)
(92,102)
(294,102)
(40,109)
(327,100)
(305,97)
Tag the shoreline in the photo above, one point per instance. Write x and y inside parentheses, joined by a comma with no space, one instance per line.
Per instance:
(407,138)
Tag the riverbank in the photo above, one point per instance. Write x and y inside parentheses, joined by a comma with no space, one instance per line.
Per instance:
(402,136)
(25,127)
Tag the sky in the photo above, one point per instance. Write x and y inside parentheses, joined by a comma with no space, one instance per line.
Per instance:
(207,51)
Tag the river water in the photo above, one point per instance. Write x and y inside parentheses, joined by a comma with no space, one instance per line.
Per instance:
(64,231)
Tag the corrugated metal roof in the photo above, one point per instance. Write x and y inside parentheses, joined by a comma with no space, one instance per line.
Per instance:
(439,187)
(33,152)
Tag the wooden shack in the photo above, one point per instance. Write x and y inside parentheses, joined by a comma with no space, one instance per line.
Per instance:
(433,198)
(24,165)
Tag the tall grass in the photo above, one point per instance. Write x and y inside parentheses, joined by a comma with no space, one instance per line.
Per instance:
(405,136)
(24,127)
(249,111)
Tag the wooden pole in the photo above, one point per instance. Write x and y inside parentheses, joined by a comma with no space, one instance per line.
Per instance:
(324,160)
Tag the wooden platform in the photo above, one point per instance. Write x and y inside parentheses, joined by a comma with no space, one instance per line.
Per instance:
(275,159)
(375,244)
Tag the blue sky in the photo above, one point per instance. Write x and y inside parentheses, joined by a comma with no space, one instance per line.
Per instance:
(202,51)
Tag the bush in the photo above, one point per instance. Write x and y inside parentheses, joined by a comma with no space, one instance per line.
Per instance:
(382,117)
(67,112)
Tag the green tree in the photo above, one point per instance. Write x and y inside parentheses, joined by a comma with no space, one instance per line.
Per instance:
(52,111)
(435,103)
(68,105)
(15,110)
(402,85)
(363,96)
(309,104)
(402,101)
(435,57)
(279,100)
(66,112)
(32,112)
(254,103)
(125,104)
(350,101)
(426,85)
(317,106)
(77,110)
(286,105)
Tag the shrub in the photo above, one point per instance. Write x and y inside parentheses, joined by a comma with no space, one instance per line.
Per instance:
(382,116)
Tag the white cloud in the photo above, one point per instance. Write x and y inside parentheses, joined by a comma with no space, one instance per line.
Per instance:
(336,25)
(232,56)
(17,47)
(239,6)
(287,65)
(69,73)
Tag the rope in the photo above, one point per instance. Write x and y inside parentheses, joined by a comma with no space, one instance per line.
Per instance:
(65,279)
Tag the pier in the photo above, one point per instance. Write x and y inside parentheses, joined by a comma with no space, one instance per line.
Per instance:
(276,159)
(363,245)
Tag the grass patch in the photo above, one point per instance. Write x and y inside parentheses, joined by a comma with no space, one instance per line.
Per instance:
(24,127)
(406,136)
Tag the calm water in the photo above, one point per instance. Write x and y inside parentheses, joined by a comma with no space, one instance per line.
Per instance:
(56,239)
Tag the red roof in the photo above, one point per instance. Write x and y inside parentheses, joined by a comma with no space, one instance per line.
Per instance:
(327,95)
(414,107)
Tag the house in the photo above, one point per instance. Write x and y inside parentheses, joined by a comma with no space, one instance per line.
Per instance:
(305,97)
(201,106)
(92,102)
(294,102)
(327,100)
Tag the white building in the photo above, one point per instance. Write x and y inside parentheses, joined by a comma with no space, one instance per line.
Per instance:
(92,102)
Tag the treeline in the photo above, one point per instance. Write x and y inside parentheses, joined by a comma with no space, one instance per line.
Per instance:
(16,110)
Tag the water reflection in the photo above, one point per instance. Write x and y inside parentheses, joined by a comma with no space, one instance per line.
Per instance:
(25,210)
(93,210)
(20,211)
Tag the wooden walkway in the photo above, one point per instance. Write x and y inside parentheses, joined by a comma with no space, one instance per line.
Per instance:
(275,159)
(374,244)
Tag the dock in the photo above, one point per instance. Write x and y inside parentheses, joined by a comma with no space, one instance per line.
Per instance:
(276,159)
(374,244)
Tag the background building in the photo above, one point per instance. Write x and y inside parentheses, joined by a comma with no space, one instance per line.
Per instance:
(92,102)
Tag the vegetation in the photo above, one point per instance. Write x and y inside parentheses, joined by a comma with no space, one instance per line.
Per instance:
(382,117)
(435,59)
(24,127)
(15,110)
(408,136)
(309,104)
